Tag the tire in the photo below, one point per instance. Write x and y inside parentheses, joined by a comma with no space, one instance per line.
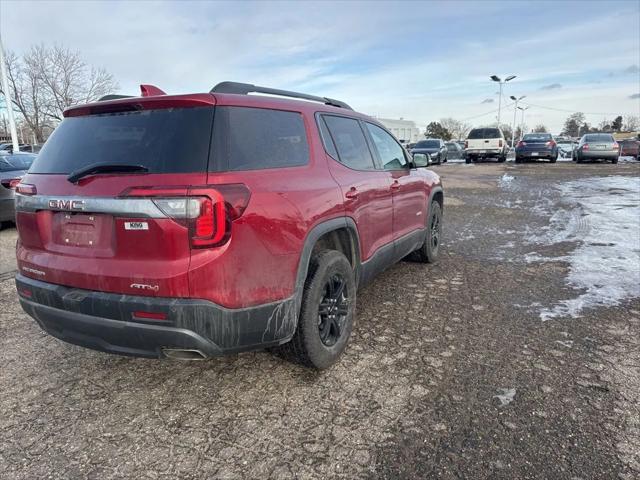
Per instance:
(615,160)
(502,159)
(428,252)
(518,159)
(578,159)
(468,159)
(312,345)
(553,159)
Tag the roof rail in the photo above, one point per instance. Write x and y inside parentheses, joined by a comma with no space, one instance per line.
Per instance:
(113,97)
(246,88)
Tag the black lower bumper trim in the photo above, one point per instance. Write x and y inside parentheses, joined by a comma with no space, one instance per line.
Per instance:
(103,321)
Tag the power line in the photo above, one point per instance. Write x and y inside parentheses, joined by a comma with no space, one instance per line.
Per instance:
(570,111)
(486,113)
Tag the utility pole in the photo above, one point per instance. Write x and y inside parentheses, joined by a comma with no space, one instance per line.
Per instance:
(495,78)
(7,99)
(515,110)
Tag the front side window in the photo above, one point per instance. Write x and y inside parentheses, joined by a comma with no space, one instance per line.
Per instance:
(350,142)
(390,152)
(247,138)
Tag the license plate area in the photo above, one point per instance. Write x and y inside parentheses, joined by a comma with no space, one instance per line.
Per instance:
(534,154)
(82,231)
(600,147)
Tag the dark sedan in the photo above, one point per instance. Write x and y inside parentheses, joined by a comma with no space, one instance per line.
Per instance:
(535,146)
(454,151)
(435,147)
(12,169)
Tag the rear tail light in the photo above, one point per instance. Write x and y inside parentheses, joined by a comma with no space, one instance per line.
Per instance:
(26,189)
(466,144)
(206,211)
(585,146)
(616,146)
(11,183)
(522,144)
(500,143)
(550,143)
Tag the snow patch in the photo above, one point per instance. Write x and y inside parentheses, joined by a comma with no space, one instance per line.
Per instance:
(605,221)
(505,396)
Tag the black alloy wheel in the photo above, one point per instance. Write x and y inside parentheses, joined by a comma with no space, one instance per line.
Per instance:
(333,310)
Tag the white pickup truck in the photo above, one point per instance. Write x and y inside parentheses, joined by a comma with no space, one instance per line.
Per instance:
(487,142)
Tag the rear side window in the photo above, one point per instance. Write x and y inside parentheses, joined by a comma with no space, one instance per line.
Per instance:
(173,140)
(350,142)
(247,138)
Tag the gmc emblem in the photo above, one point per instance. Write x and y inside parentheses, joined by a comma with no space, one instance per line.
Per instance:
(66,204)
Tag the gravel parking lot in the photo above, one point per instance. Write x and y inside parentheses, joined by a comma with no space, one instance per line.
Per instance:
(516,356)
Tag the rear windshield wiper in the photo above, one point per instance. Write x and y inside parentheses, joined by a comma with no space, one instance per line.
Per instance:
(104,168)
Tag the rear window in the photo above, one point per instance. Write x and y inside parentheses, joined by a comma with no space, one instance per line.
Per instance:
(428,144)
(247,138)
(173,140)
(532,137)
(599,137)
(483,133)
(16,162)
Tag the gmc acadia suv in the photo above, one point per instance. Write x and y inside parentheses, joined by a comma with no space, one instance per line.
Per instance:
(189,226)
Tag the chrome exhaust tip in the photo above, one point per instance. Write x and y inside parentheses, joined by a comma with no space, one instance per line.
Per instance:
(188,354)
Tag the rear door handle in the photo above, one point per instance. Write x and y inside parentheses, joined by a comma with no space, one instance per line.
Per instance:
(395,185)
(352,193)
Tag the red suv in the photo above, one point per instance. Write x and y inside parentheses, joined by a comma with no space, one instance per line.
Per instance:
(189,226)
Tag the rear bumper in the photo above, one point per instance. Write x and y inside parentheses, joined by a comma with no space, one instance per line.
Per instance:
(490,152)
(536,154)
(105,322)
(604,154)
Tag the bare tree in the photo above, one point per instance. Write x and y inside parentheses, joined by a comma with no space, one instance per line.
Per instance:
(47,80)
(457,128)
(540,129)
(631,123)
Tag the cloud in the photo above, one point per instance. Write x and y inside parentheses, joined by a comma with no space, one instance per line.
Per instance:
(487,100)
(632,69)
(634,96)
(553,86)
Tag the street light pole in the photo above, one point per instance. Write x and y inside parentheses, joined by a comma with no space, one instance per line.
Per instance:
(495,78)
(7,100)
(522,118)
(515,110)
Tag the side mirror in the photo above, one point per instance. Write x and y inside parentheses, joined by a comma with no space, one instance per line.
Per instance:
(421,160)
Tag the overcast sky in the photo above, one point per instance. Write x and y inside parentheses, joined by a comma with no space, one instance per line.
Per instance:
(417,60)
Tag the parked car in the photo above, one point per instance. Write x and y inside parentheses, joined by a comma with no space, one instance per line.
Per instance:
(434,147)
(566,148)
(12,168)
(630,148)
(535,146)
(454,151)
(188,235)
(597,146)
(483,143)
(23,147)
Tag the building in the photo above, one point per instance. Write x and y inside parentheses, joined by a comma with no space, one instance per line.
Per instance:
(404,130)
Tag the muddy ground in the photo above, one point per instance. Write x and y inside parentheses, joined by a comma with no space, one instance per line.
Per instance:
(450,372)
